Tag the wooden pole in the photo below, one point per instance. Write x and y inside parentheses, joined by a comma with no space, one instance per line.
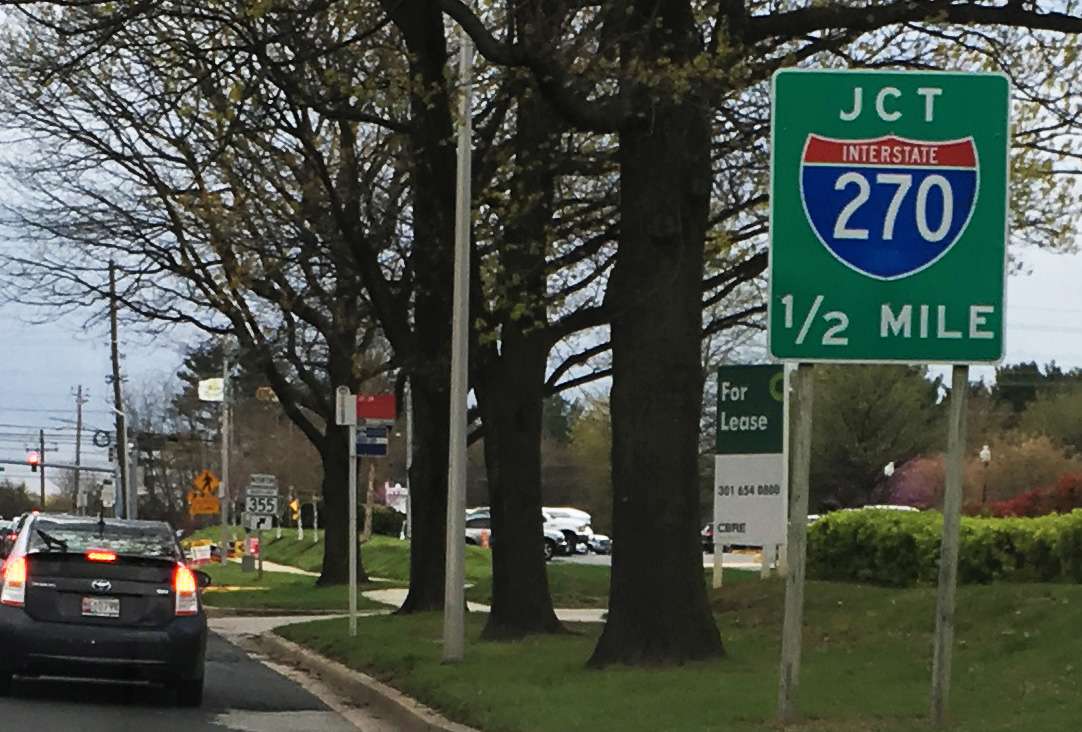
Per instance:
(369,501)
(948,555)
(789,680)
(718,567)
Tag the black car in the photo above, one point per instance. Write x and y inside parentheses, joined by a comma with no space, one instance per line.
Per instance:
(86,597)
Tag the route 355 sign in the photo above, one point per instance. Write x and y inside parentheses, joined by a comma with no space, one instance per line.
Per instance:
(888,216)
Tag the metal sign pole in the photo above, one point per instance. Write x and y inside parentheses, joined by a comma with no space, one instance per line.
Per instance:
(948,558)
(798,532)
(352,530)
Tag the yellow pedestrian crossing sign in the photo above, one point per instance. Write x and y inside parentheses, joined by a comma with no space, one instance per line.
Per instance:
(203,496)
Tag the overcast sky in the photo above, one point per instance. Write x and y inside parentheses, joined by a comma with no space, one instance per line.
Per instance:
(43,363)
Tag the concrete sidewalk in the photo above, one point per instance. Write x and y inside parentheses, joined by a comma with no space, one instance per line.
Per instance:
(284,568)
(288,569)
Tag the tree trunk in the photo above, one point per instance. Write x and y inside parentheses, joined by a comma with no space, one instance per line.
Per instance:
(511,395)
(428,488)
(511,400)
(334,453)
(427,355)
(658,609)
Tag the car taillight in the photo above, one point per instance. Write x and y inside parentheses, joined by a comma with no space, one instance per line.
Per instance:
(98,555)
(186,590)
(14,592)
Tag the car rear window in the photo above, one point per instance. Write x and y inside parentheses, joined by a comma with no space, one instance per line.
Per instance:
(77,537)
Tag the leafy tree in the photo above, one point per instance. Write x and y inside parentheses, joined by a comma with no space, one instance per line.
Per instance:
(866,417)
(591,446)
(15,499)
(213,220)
(1019,463)
(1017,385)
(1056,412)
(560,416)
(651,73)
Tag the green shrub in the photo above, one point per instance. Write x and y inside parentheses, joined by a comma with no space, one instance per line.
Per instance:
(386,521)
(902,548)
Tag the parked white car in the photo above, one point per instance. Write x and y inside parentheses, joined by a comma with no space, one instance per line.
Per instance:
(575,525)
(479,533)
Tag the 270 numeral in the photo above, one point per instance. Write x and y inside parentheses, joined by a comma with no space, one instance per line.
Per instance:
(903,183)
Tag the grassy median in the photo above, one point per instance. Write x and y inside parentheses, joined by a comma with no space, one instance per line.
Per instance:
(866,665)
(239,590)
(382,556)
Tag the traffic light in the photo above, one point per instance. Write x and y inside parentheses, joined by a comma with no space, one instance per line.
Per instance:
(295,509)
(33,459)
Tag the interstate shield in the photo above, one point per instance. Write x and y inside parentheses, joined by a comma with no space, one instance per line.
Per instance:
(888,207)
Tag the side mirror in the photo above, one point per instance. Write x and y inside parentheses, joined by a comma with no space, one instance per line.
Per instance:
(203,579)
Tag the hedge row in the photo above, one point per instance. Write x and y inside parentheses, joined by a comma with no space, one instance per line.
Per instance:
(902,548)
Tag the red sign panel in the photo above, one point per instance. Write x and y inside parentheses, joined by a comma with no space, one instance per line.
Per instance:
(376,407)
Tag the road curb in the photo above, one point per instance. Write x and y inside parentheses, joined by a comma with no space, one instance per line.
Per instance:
(405,712)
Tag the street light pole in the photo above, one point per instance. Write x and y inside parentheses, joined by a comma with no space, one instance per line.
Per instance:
(454,601)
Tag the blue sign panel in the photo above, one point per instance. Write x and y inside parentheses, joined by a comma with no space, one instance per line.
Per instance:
(372,441)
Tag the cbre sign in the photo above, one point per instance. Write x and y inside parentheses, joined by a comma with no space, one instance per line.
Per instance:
(888,216)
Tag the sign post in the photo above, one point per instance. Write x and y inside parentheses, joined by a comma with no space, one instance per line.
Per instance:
(887,245)
(346,414)
(375,413)
(260,507)
(749,464)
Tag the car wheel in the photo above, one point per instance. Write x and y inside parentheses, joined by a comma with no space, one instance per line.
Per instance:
(190,692)
(550,550)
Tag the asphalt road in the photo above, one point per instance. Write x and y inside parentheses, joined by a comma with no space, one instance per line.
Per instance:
(241,694)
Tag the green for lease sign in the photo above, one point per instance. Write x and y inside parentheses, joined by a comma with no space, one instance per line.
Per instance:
(750,409)
(888,216)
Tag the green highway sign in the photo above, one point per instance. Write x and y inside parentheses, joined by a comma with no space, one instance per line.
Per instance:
(888,216)
(750,409)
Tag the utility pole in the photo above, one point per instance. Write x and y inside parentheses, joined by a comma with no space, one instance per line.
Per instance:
(41,441)
(79,401)
(118,397)
(454,599)
(223,487)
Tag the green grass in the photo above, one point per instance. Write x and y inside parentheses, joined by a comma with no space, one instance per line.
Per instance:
(276,590)
(866,665)
(581,585)
(382,556)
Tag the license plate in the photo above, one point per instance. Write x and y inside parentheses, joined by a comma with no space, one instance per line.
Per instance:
(101,607)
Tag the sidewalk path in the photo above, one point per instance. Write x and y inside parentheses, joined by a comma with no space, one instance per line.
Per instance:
(288,569)
(284,568)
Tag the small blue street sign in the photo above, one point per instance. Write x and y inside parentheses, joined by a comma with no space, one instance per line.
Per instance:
(372,441)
